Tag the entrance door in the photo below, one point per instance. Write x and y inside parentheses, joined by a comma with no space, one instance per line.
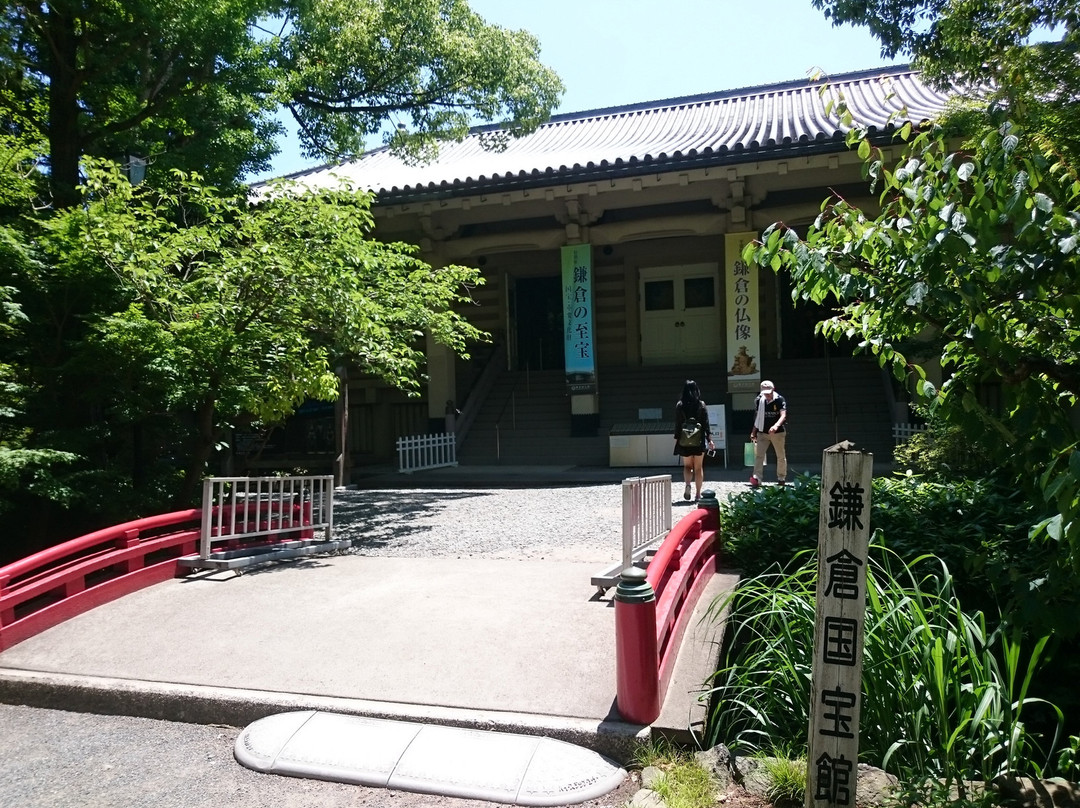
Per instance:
(680,314)
(539,330)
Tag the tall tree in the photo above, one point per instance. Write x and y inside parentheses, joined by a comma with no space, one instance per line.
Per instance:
(971,261)
(245,311)
(173,309)
(994,47)
(197,85)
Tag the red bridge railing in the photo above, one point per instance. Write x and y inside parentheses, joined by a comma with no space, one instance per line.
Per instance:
(51,586)
(654,606)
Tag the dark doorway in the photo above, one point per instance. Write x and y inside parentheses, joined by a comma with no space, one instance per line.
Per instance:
(797,323)
(539,323)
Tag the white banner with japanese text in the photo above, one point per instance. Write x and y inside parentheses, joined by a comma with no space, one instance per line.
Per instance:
(743,321)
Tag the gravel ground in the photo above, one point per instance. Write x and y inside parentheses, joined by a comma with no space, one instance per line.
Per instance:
(564,524)
(60,759)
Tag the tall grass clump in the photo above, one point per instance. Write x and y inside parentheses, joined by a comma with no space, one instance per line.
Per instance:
(944,696)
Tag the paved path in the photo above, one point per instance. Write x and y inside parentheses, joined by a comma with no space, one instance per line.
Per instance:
(514,644)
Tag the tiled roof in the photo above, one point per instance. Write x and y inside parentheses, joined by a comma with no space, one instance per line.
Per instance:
(735,126)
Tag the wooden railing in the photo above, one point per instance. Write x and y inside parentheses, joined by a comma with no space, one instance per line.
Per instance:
(418,452)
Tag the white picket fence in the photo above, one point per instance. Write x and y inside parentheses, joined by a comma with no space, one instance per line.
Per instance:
(646,518)
(419,452)
(901,432)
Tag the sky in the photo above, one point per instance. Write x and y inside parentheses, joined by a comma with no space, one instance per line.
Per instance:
(616,52)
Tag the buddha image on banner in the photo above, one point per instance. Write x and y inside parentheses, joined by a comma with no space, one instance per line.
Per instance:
(578,318)
(743,319)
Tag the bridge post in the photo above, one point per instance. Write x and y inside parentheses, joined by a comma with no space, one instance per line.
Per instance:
(710,503)
(637,664)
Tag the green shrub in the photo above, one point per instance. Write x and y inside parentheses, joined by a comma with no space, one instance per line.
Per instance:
(979,527)
(786,779)
(942,451)
(686,784)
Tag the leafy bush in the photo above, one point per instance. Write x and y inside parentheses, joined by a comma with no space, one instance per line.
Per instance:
(944,696)
(979,527)
(942,450)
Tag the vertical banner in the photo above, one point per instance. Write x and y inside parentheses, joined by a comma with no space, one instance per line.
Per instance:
(836,692)
(743,315)
(577,287)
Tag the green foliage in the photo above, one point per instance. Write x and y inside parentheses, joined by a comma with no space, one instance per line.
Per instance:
(432,63)
(944,696)
(767,526)
(979,527)
(33,472)
(657,751)
(139,324)
(1068,759)
(988,46)
(197,86)
(977,247)
(970,262)
(239,310)
(786,778)
(942,452)
(686,784)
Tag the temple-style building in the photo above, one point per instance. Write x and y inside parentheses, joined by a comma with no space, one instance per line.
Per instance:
(611,242)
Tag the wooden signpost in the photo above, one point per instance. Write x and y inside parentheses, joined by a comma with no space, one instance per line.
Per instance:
(843,538)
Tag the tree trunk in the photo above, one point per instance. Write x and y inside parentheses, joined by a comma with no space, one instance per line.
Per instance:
(65,142)
(202,447)
(341,430)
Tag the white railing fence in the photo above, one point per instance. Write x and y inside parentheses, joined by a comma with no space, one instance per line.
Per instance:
(419,452)
(646,518)
(245,508)
(901,432)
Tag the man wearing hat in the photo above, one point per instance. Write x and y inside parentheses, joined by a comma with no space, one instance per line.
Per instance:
(769,419)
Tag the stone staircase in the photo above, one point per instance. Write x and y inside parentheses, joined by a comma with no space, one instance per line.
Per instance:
(525,419)
(844,398)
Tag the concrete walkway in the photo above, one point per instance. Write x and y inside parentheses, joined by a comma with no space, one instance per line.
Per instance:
(523,647)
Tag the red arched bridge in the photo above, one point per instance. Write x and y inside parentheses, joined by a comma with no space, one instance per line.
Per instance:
(250,520)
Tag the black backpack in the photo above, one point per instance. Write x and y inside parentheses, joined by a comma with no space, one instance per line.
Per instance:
(692,434)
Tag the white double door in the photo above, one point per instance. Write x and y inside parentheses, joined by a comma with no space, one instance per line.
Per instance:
(680,314)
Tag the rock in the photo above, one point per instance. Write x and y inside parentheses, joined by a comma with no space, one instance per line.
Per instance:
(649,776)
(1026,792)
(717,762)
(875,787)
(646,798)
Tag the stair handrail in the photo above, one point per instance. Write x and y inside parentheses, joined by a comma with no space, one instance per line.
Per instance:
(511,401)
(469,410)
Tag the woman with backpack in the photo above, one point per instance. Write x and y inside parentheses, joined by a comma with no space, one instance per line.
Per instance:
(692,435)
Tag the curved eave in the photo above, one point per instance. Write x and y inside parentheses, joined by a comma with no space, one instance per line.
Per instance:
(634,167)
